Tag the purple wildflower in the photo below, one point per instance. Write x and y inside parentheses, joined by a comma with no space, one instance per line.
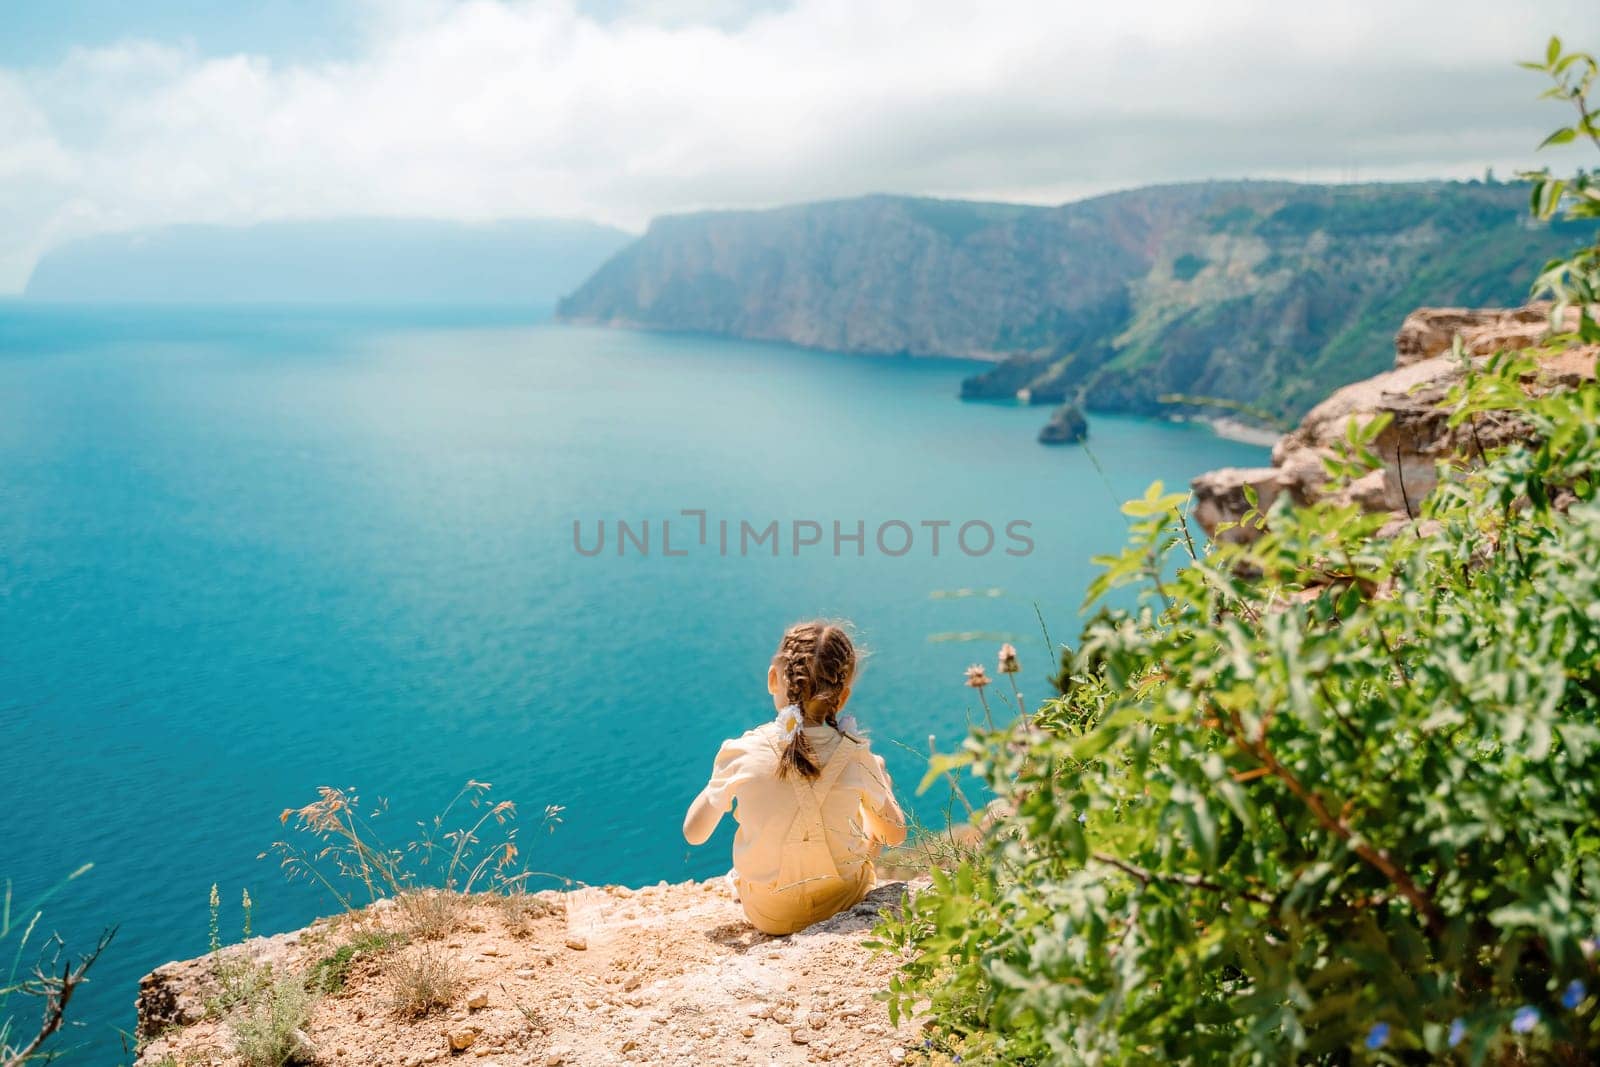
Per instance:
(1378,1036)
(1526,1018)
(1574,994)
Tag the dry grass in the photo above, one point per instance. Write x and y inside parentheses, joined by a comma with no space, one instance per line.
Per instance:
(519,910)
(929,850)
(424,981)
(531,1015)
(430,914)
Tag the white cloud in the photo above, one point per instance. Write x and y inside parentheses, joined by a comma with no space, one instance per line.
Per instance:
(487,109)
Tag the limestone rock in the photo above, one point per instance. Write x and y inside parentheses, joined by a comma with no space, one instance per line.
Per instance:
(685,950)
(1418,436)
(1430,332)
(169,996)
(305,1048)
(175,994)
(1219,497)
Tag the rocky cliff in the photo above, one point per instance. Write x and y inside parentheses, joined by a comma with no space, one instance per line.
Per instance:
(1265,294)
(1418,435)
(668,974)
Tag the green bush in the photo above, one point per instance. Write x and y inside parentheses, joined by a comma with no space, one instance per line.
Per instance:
(1324,798)
(1321,792)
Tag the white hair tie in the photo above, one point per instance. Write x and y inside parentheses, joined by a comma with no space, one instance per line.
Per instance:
(789,719)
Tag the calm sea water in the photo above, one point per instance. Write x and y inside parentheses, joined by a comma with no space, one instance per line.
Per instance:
(245,554)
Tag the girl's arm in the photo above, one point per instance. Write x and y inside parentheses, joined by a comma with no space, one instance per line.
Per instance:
(888,826)
(701,821)
(880,812)
(716,797)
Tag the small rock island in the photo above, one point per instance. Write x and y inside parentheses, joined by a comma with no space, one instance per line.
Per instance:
(1066,427)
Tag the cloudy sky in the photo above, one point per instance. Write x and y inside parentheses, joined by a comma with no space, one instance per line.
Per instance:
(117,115)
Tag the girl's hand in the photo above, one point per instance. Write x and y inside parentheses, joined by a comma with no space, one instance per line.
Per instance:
(885,828)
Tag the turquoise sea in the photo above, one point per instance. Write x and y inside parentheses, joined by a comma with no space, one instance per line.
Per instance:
(245,553)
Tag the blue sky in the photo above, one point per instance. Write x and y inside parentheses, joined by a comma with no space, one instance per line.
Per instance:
(40,32)
(122,115)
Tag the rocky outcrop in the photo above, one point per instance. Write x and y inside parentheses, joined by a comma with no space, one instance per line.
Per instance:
(1418,435)
(1013,379)
(1430,332)
(182,993)
(1066,427)
(667,974)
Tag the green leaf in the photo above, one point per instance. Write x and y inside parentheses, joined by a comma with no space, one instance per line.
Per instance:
(1154,502)
(942,764)
(1565,135)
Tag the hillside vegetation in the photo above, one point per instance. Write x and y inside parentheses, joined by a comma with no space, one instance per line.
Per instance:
(1326,793)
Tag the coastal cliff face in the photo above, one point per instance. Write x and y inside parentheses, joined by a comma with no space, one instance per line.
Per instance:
(667,974)
(1418,436)
(880,274)
(1267,294)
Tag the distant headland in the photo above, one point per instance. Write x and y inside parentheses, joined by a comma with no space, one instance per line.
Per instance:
(528,262)
(1266,295)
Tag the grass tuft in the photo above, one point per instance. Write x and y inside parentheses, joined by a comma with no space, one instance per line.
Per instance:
(431,914)
(424,982)
(520,909)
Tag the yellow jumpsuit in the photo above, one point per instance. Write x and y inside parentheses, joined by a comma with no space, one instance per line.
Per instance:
(803,851)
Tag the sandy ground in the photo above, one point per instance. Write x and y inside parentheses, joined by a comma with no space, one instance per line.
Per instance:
(669,974)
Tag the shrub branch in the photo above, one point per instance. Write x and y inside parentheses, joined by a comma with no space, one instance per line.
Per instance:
(57,992)
(1378,859)
(1144,876)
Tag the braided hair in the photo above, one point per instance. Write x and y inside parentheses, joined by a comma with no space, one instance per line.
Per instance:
(816,662)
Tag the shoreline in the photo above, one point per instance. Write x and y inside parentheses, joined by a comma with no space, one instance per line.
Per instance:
(1245,433)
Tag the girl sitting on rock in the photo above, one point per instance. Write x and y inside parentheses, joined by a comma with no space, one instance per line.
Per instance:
(815,804)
